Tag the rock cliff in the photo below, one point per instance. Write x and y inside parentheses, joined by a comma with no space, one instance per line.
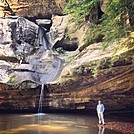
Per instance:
(94,75)
(31,8)
(33,54)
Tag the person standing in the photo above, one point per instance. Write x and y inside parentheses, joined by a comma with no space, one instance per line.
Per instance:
(100,110)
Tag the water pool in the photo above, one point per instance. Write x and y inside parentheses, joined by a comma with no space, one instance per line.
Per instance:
(50,124)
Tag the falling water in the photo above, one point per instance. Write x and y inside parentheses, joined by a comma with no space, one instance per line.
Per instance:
(44,46)
(44,78)
(40,107)
(41,99)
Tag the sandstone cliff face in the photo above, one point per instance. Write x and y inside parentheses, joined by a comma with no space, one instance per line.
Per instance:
(32,8)
(95,75)
(18,100)
(26,60)
(86,76)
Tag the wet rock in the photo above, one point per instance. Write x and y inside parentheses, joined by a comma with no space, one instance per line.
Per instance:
(17,37)
(24,67)
(43,21)
(21,76)
(48,67)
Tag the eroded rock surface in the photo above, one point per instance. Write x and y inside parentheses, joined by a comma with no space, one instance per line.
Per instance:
(32,8)
(26,53)
(94,75)
(27,61)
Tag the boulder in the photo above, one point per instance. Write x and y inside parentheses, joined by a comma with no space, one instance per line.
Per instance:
(57,30)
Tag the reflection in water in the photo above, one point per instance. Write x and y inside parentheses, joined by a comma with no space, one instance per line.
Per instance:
(101,129)
(50,124)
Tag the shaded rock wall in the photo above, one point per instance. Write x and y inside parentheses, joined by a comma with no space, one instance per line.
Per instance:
(117,93)
(19,101)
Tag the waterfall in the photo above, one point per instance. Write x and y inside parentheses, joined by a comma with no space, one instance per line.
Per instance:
(43,42)
(44,48)
(40,107)
(47,73)
(42,38)
(41,99)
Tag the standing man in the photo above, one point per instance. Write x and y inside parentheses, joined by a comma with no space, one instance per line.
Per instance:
(100,110)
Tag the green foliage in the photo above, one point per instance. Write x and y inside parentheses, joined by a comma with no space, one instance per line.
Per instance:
(60,50)
(16,86)
(113,26)
(108,31)
(121,10)
(13,83)
(79,8)
(117,21)
(12,79)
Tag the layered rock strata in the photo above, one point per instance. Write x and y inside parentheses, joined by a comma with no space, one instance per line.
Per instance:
(26,62)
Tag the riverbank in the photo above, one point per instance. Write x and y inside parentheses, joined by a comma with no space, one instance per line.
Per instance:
(123,127)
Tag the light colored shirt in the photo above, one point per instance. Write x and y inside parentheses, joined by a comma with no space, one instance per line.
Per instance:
(100,108)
